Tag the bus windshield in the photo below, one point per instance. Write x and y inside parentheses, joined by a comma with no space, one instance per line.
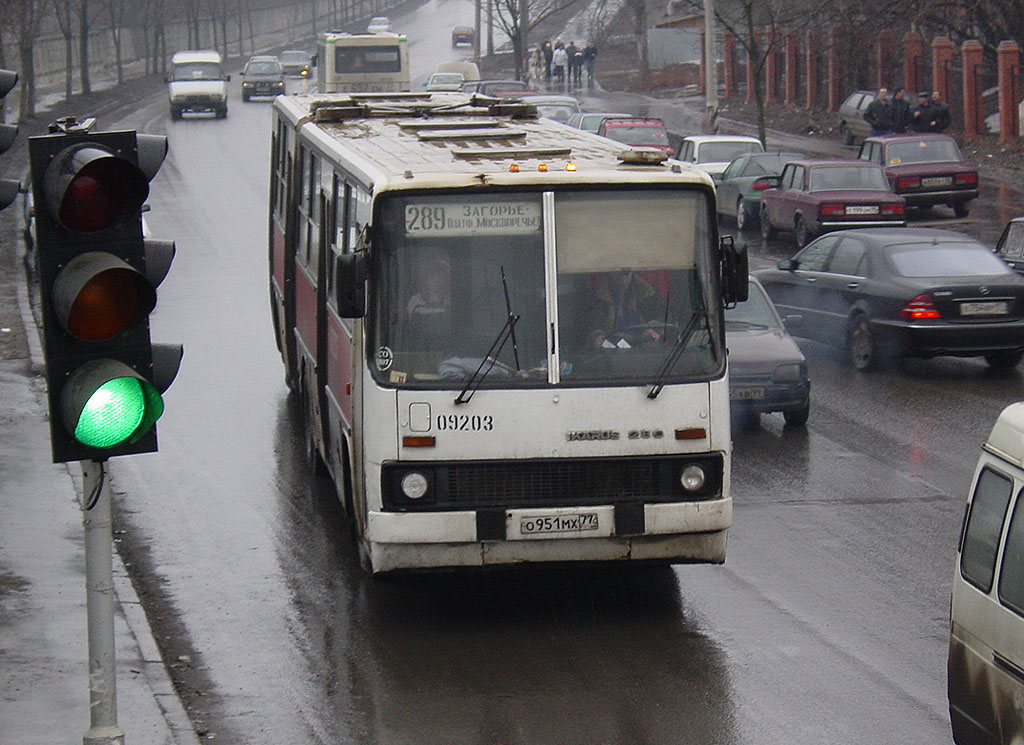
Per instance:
(631,287)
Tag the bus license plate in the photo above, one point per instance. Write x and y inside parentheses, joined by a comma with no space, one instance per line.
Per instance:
(575,523)
(746,394)
(988,308)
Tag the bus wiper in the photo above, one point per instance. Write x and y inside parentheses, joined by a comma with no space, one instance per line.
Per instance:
(677,350)
(508,309)
(508,330)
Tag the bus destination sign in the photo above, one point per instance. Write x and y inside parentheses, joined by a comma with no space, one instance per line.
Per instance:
(472,218)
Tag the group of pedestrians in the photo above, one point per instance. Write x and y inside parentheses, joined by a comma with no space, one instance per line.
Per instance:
(565,64)
(896,115)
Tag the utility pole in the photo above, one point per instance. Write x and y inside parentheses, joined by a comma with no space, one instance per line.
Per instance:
(710,68)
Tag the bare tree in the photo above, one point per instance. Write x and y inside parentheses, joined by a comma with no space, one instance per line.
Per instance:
(117,13)
(84,26)
(65,14)
(517,18)
(28,16)
(638,8)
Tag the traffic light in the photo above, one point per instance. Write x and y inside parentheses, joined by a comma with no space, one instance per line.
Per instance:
(8,187)
(98,276)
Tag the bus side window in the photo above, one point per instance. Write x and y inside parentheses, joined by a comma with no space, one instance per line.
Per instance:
(984,527)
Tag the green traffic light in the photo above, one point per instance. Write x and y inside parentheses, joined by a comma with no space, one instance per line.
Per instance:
(107,404)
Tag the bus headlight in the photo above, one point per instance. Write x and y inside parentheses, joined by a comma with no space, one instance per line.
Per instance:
(414,485)
(693,478)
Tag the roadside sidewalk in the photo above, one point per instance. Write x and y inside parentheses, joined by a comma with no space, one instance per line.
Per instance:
(44,670)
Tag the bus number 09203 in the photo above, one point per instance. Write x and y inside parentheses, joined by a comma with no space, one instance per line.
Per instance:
(465,423)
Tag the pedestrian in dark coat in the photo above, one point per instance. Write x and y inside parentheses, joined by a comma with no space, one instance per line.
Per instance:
(879,114)
(589,55)
(570,60)
(942,117)
(922,115)
(549,52)
(900,111)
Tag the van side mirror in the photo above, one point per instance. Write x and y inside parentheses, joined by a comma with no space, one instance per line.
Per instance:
(735,268)
(350,285)
(787,265)
(313,60)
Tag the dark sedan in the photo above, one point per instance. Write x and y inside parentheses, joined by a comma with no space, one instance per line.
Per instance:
(737,196)
(925,169)
(812,197)
(1011,244)
(912,292)
(767,370)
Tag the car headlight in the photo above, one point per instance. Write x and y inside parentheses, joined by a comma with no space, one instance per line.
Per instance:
(414,485)
(788,373)
(178,98)
(693,478)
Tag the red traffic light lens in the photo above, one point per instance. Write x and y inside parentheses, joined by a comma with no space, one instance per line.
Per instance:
(101,194)
(105,306)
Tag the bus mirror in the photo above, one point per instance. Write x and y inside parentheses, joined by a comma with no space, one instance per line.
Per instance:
(350,285)
(313,60)
(735,271)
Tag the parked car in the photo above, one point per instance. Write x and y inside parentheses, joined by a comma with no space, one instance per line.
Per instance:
(737,197)
(262,76)
(647,131)
(1011,244)
(985,684)
(294,62)
(925,169)
(499,88)
(590,121)
(463,35)
(712,153)
(378,24)
(812,197)
(851,116)
(767,370)
(559,108)
(913,292)
(445,81)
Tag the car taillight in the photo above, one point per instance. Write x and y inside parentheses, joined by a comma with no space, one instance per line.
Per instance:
(965,179)
(919,308)
(908,182)
(832,209)
(893,209)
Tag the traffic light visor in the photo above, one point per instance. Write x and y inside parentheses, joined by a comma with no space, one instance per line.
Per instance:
(105,404)
(90,189)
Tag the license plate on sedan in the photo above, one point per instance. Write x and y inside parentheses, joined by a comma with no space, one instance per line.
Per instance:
(937,181)
(862,209)
(570,523)
(746,394)
(986,308)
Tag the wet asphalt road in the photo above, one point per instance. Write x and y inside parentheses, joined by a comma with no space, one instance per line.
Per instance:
(827,624)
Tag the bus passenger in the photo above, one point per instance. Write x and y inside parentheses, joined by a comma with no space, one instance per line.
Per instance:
(429,310)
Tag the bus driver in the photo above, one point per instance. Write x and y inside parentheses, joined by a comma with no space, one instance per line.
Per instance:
(627,311)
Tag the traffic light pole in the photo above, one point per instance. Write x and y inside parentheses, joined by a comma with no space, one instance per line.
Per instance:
(99,586)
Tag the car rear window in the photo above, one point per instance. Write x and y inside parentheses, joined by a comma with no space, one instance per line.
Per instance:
(723,152)
(637,135)
(945,260)
(922,151)
(840,178)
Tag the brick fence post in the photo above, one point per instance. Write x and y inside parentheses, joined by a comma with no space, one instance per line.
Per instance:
(883,53)
(913,50)
(771,66)
(702,84)
(970,54)
(812,48)
(792,49)
(729,63)
(942,58)
(1008,53)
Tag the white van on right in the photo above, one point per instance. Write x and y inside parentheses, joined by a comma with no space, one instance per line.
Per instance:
(986,643)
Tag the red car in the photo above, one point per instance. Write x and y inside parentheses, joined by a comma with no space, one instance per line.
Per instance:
(925,169)
(462,35)
(646,131)
(812,197)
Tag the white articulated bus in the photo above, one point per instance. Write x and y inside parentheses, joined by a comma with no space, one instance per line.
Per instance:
(362,62)
(506,335)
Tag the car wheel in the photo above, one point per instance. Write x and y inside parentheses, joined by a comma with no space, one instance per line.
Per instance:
(1005,360)
(767,229)
(847,134)
(803,235)
(961,209)
(798,417)
(861,344)
(741,216)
